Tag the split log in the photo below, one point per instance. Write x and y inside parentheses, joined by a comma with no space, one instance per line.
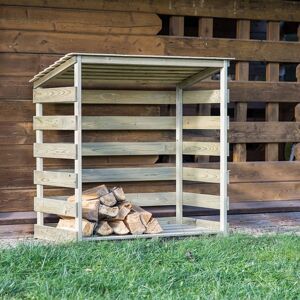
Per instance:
(119,193)
(84,197)
(119,227)
(124,210)
(103,228)
(107,212)
(87,226)
(134,223)
(90,209)
(144,215)
(153,226)
(108,199)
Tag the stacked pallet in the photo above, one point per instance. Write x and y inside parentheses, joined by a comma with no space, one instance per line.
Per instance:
(106,212)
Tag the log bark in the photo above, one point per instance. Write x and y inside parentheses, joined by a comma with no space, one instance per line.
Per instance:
(107,212)
(119,193)
(153,226)
(109,199)
(119,227)
(134,223)
(103,228)
(144,215)
(87,226)
(99,190)
(90,209)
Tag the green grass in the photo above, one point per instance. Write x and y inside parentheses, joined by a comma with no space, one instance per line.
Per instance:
(236,267)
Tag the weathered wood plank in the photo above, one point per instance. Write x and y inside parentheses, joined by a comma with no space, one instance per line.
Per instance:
(54,123)
(201,200)
(148,97)
(52,178)
(55,150)
(54,95)
(153,45)
(267,10)
(66,20)
(55,206)
(128,174)
(147,123)
(149,148)
(264,132)
(201,174)
(54,234)
(152,199)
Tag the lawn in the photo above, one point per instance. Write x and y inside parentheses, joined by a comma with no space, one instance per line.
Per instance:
(235,267)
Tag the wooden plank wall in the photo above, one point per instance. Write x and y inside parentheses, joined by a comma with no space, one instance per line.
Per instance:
(33,36)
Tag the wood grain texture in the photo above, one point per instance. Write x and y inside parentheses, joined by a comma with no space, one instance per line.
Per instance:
(52,178)
(267,10)
(55,150)
(66,20)
(54,123)
(54,95)
(17,41)
(201,174)
(54,206)
(54,234)
(147,97)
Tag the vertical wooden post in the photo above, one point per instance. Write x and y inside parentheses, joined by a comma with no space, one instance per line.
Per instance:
(205,30)
(272,74)
(78,143)
(39,163)
(179,184)
(241,73)
(176,26)
(223,149)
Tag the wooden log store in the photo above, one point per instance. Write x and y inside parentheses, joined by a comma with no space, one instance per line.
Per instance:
(66,82)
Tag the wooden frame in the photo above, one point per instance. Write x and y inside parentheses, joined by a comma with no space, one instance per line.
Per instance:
(77,67)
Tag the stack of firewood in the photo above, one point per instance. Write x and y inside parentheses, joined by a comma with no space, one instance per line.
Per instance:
(106,212)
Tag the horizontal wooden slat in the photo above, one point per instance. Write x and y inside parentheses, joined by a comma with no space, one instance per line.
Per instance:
(264,132)
(209,224)
(54,234)
(55,150)
(52,178)
(151,199)
(249,50)
(201,174)
(201,200)
(54,206)
(54,123)
(65,20)
(147,123)
(149,148)
(148,97)
(54,95)
(128,174)
(267,10)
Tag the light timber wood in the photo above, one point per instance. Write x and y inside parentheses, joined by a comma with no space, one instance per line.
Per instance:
(145,148)
(54,234)
(55,150)
(242,73)
(204,175)
(201,200)
(152,199)
(148,97)
(54,123)
(142,123)
(54,95)
(55,206)
(128,174)
(272,74)
(52,178)
(209,224)
(103,228)
(67,64)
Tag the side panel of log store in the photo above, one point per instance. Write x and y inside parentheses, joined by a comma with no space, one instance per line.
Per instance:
(105,210)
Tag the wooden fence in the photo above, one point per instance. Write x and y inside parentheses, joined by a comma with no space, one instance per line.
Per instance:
(34,36)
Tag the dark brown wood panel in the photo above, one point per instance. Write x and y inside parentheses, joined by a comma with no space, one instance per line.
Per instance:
(258,10)
(79,21)
(61,43)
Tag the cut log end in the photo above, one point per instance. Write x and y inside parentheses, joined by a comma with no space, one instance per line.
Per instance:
(153,227)
(119,227)
(69,224)
(108,199)
(119,193)
(134,223)
(103,229)
(107,212)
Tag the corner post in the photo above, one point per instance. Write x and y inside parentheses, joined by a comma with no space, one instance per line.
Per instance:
(78,143)
(223,149)
(179,184)
(39,163)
